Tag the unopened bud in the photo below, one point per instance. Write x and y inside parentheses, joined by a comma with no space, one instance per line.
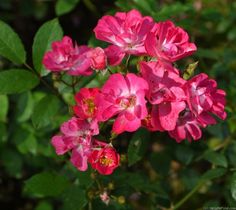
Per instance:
(111,186)
(121,199)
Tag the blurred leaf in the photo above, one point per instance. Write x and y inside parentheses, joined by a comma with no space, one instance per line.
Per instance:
(219,130)
(3,132)
(189,72)
(45,110)
(230,152)
(11,46)
(74,198)
(43,205)
(138,146)
(12,162)
(17,81)
(233,186)
(207,53)
(211,204)
(213,173)
(85,179)
(172,10)
(24,107)
(4,104)
(47,33)
(145,7)
(190,178)
(25,140)
(160,162)
(216,158)
(46,184)
(184,153)
(65,6)
(28,145)
(93,42)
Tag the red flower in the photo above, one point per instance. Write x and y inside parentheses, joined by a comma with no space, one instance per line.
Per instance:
(104,159)
(85,103)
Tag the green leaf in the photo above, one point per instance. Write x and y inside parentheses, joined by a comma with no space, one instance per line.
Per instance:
(12,161)
(24,107)
(161,162)
(4,104)
(43,205)
(47,33)
(233,186)
(11,46)
(216,158)
(137,146)
(45,110)
(189,72)
(17,81)
(207,53)
(213,173)
(46,184)
(85,179)
(3,132)
(231,151)
(184,153)
(65,6)
(25,140)
(74,198)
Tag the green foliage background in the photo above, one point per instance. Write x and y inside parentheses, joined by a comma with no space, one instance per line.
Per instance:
(156,173)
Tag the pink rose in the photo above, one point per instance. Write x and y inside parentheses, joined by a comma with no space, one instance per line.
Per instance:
(123,96)
(125,30)
(76,136)
(204,98)
(165,89)
(168,42)
(66,57)
(97,58)
(114,55)
(187,127)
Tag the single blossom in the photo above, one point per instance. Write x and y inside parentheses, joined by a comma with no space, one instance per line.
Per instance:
(86,107)
(76,136)
(104,158)
(123,96)
(204,98)
(187,127)
(97,58)
(165,89)
(67,57)
(126,30)
(168,42)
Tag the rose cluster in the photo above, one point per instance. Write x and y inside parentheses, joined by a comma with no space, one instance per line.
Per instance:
(156,96)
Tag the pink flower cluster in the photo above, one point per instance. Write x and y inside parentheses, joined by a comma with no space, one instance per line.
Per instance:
(156,97)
